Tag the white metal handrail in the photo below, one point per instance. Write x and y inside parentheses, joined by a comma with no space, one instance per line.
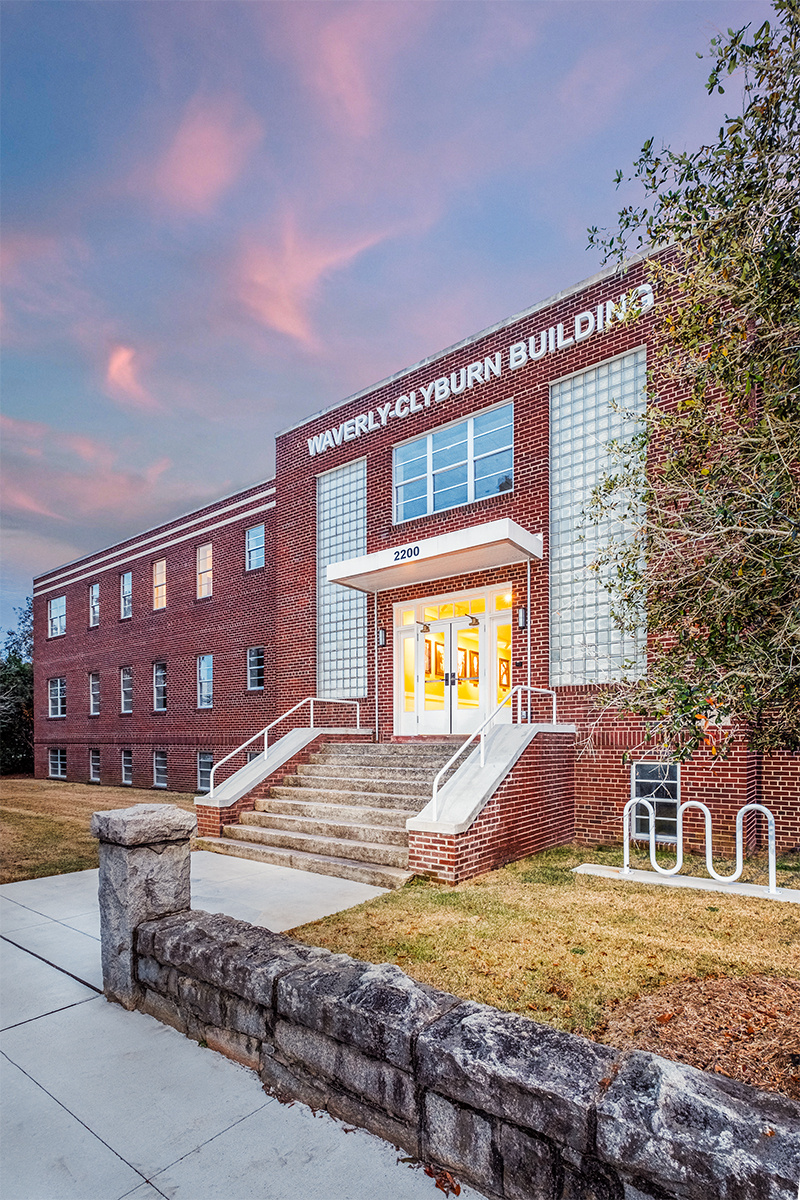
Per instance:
(311,700)
(626,818)
(481,731)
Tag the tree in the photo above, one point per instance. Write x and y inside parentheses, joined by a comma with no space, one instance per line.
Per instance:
(709,489)
(16,694)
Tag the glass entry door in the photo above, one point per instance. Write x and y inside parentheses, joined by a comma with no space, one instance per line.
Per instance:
(450,672)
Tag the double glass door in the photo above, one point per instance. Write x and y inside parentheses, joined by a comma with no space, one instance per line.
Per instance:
(449,660)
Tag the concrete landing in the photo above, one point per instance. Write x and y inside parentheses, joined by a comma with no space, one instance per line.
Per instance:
(689,881)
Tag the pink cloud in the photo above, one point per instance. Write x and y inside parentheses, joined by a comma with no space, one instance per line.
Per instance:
(122,378)
(206,155)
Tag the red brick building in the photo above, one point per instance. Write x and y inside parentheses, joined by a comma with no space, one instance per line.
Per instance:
(419,551)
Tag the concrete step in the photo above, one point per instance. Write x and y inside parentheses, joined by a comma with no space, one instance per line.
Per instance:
(366,783)
(348,830)
(362,756)
(321,795)
(321,864)
(355,813)
(336,770)
(371,852)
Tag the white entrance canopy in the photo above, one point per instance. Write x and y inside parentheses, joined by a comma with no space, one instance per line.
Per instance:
(493,544)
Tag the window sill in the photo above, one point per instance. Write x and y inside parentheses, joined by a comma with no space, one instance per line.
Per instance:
(93,715)
(255,690)
(202,599)
(51,717)
(438,512)
(158,711)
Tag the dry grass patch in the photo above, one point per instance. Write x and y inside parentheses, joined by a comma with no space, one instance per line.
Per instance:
(44,823)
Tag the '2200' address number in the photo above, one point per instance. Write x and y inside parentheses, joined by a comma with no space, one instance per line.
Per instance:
(406,552)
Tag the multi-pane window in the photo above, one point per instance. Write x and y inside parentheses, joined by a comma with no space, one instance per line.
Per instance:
(253,754)
(159,768)
(126,690)
(58,763)
(126,766)
(160,583)
(126,594)
(455,465)
(57,616)
(159,686)
(587,411)
(205,680)
(254,547)
(660,784)
(204,571)
(94,603)
(205,761)
(341,611)
(94,766)
(255,668)
(94,693)
(57,691)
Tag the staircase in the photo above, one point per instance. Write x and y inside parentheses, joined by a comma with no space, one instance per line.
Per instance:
(343,813)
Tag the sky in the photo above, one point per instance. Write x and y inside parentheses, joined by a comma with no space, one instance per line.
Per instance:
(219,218)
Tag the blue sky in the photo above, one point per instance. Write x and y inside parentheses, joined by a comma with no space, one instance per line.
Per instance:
(220,217)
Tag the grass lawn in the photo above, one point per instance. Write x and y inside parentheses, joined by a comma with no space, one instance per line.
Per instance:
(44,823)
(534,938)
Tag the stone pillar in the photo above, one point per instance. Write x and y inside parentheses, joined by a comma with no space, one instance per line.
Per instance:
(144,874)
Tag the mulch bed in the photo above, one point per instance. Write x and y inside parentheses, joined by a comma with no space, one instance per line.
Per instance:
(747,1029)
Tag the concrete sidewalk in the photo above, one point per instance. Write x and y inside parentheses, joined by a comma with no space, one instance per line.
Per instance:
(100,1104)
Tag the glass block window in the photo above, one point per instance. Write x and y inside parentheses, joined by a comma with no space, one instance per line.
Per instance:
(94,693)
(159,768)
(57,616)
(160,583)
(94,604)
(126,690)
(94,766)
(126,767)
(255,668)
(455,465)
(204,571)
(660,784)
(57,696)
(57,763)
(341,611)
(159,686)
(254,547)
(126,594)
(205,680)
(585,645)
(205,761)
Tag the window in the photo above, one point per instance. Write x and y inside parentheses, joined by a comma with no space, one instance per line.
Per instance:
(455,465)
(94,766)
(159,686)
(205,761)
(660,784)
(57,616)
(204,571)
(58,763)
(587,410)
(126,690)
(160,583)
(126,764)
(94,604)
(205,680)
(255,668)
(254,547)
(57,689)
(159,768)
(341,612)
(94,693)
(253,754)
(126,594)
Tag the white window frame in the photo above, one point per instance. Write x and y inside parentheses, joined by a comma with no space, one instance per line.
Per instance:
(57,755)
(205,761)
(255,547)
(470,461)
(94,693)
(253,667)
(126,767)
(126,692)
(126,595)
(160,686)
(94,765)
(159,584)
(159,768)
(205,681)
(57,697)
(57,616)
(94,605)
(641,820)
(205,570)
